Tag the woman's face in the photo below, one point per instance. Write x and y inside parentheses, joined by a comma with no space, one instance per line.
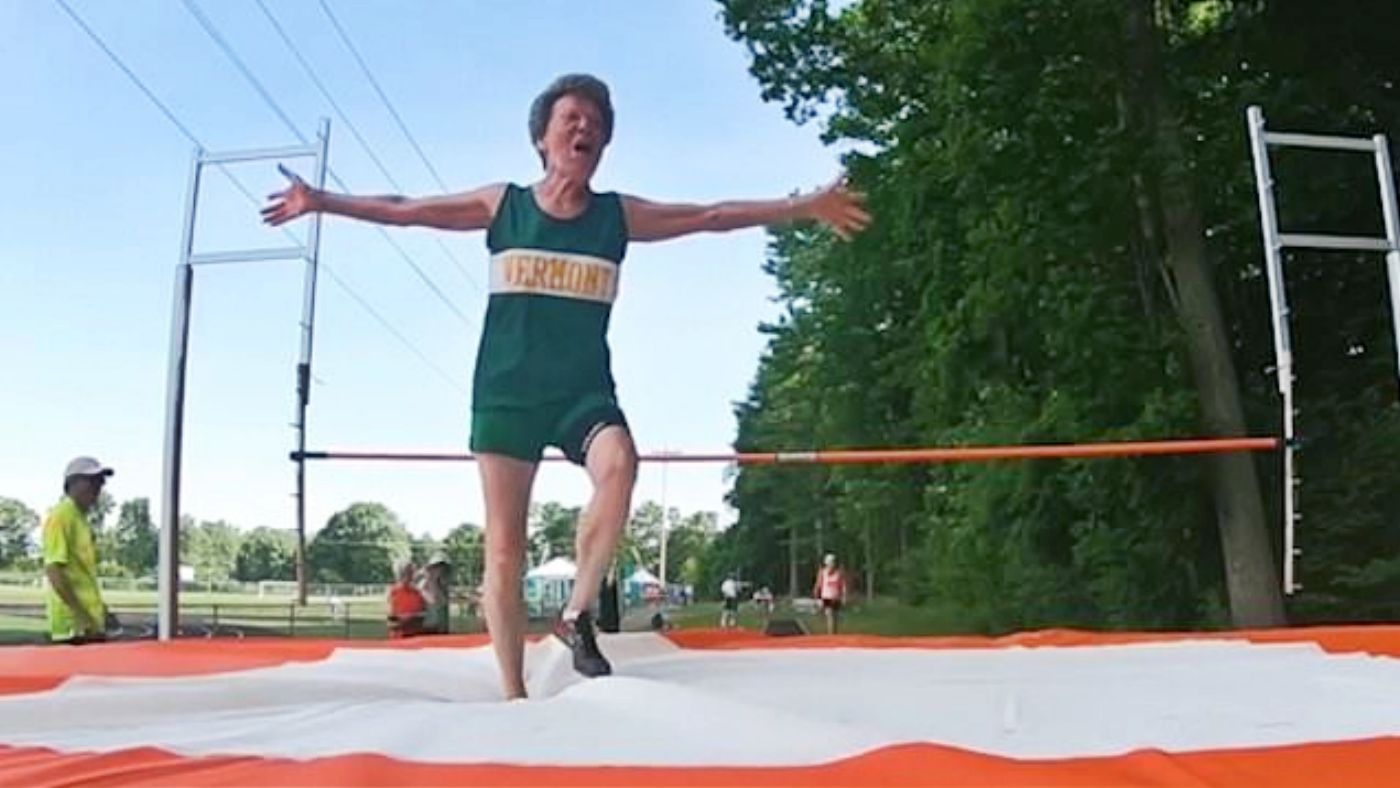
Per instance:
(573,138)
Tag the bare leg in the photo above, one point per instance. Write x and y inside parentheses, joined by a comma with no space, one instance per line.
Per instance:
(612,465)
(506,482)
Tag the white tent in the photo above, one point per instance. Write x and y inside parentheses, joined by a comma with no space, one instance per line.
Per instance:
(548,586)
(554,569)
(642,577)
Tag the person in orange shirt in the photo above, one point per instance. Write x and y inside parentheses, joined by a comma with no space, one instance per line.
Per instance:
(830,589)
(406,603)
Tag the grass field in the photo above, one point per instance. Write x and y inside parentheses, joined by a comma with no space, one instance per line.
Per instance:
(22,614)
(248,615)
(31,595)
(877,617)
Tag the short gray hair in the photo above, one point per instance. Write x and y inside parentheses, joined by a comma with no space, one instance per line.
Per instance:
(585,86)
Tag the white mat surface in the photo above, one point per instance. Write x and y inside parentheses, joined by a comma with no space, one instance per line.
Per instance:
(667,706)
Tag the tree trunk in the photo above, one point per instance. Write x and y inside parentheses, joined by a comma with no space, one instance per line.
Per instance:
(903,540)
(869,563)
(792,561)
(1250,573)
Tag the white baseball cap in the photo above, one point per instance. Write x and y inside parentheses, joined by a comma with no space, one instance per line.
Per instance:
(86,466)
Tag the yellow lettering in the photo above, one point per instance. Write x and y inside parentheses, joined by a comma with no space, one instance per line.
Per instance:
(545,273)
(557,270)
(589,283)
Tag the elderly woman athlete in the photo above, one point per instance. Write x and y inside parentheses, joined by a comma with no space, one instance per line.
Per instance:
(543,374)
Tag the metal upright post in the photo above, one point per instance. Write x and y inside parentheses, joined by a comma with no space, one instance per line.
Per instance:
(1392,234)
(303,375)
(168,570)
(665,532)
(1275,242)
(1283,338)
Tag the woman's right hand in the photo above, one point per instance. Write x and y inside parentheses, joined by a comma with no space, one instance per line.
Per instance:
(295,200)
(839,208)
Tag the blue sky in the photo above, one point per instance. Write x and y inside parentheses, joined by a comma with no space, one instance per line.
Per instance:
(93,210)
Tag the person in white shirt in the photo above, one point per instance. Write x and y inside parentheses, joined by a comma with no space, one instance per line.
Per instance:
(729,614)
(830,590)
(763,600)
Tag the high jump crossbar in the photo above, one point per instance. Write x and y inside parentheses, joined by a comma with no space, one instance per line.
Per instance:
(874,456)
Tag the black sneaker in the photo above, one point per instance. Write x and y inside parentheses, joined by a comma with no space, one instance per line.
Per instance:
(578,636)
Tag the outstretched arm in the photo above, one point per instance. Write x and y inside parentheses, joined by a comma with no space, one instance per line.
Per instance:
(834,206)
(471,210)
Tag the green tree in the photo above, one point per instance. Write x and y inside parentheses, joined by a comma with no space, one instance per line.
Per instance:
(358,545)
(1066,250)
(641,541)
(266,554)
(687,541)
(136,540)
(101,508)
(17,523)
(465,548)
(104,538)
(551,529)
(421,549)
(212,549)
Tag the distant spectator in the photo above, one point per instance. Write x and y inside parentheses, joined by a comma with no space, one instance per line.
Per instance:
(830,589)
(406,604)
(437,619)
(74,603)
(729,614)
(763,600)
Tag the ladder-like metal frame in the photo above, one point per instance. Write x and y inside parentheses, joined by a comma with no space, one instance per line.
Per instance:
(168,573)
(1274,243)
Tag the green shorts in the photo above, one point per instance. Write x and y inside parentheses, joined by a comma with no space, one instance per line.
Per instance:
(523,433)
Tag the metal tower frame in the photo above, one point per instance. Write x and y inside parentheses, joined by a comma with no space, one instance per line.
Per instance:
(1275,242)
(168,575)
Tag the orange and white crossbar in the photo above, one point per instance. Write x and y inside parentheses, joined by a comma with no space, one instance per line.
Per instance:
(878,456)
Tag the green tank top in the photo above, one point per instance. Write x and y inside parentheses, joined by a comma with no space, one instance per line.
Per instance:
(553,282)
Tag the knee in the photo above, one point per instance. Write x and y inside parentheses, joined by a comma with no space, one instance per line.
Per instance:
(617,468)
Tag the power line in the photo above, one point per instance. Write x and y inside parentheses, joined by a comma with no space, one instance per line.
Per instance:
(311,74)
(398,119)
(154,99)
(369,75)
(451,381)
(96,39)
(237,61)
(192,137)
(326,94)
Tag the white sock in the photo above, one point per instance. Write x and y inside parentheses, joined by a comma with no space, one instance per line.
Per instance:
(570,615)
